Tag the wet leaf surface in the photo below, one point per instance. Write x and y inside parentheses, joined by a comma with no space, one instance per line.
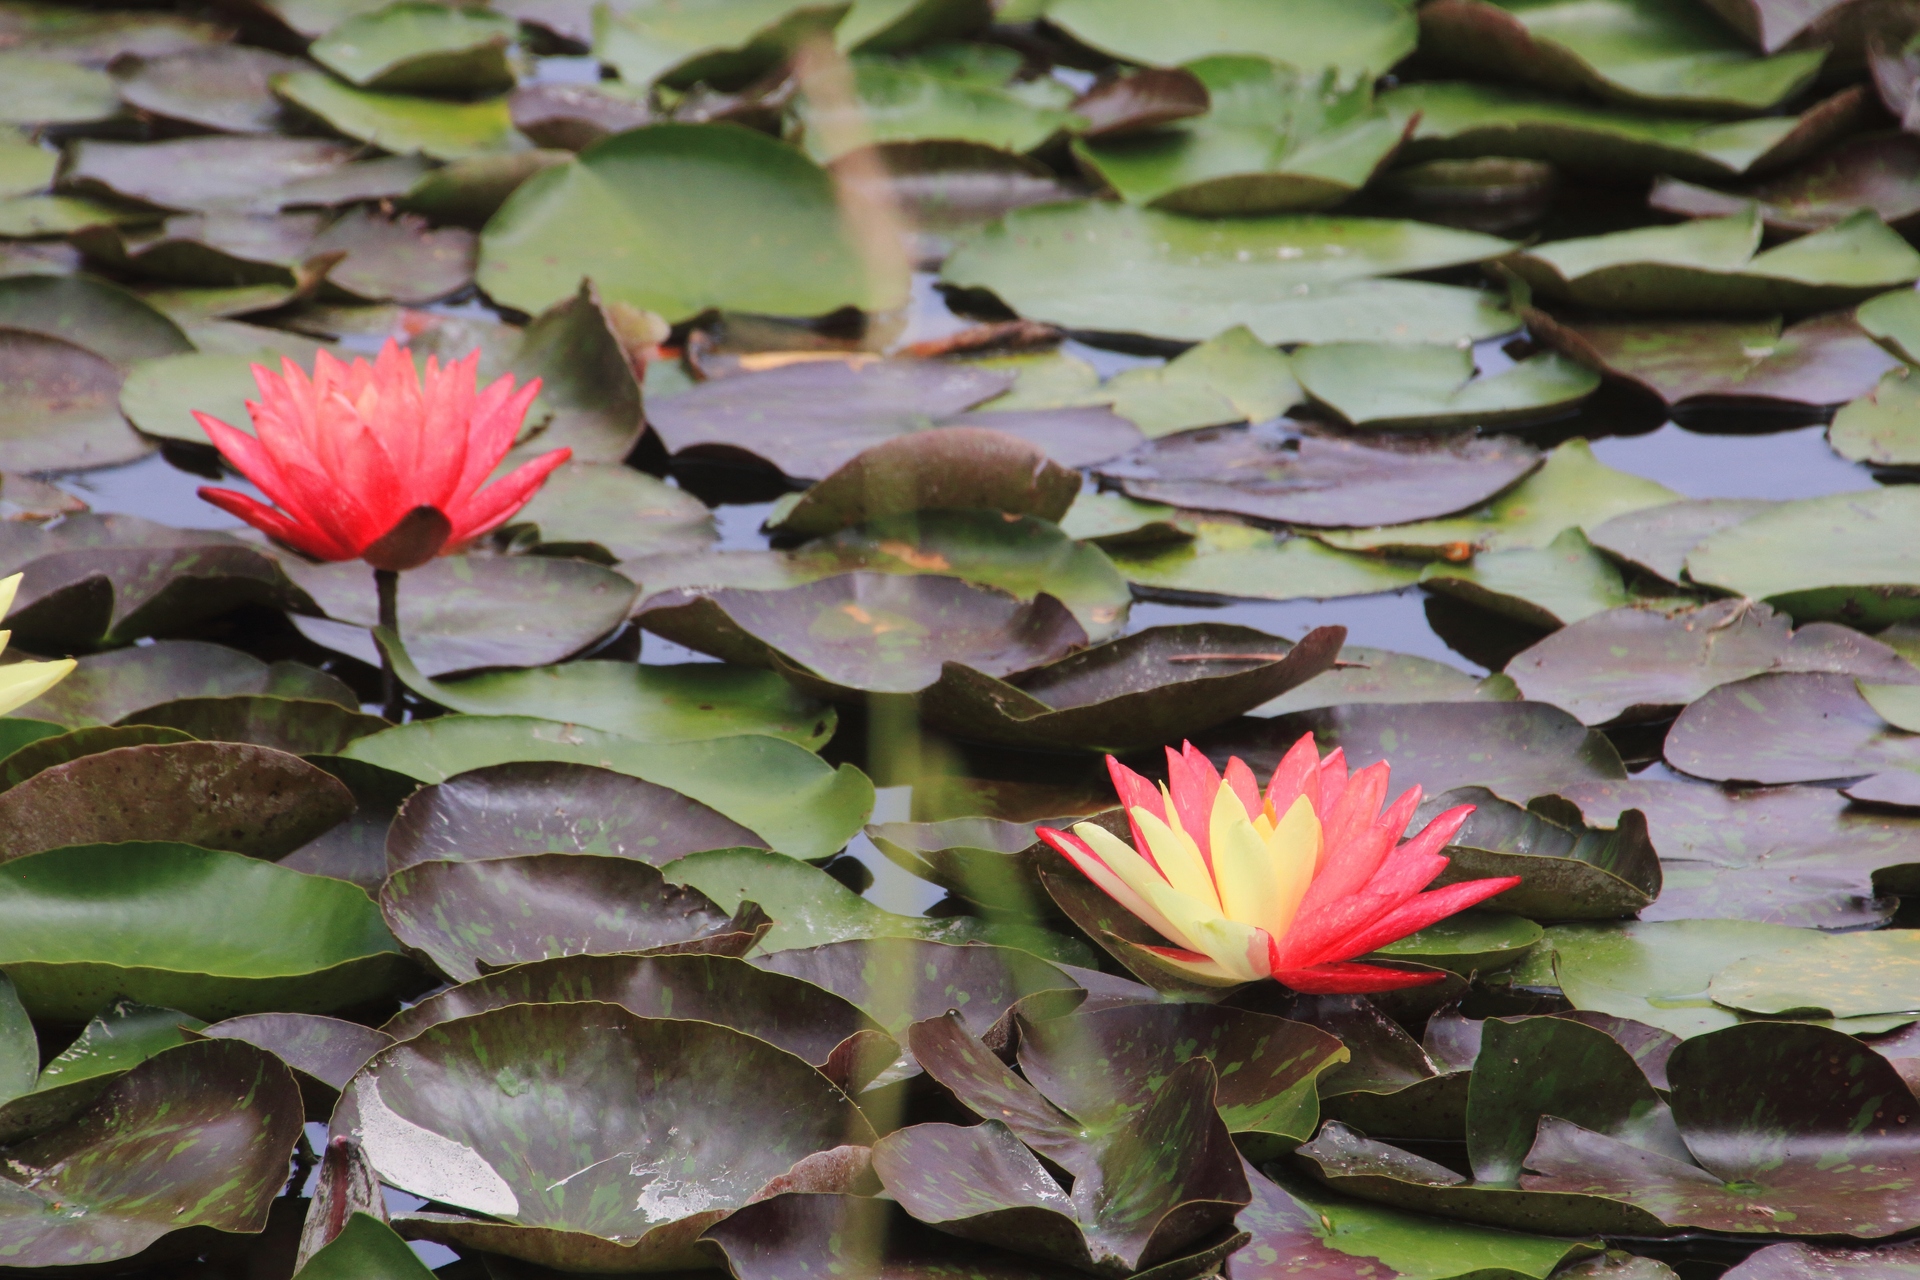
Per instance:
(1657,539)
(1377,675)
(402,123)
(1841,976)
(111,686)
(1226,558)
(1657,972)
(116,1040)
(1564,582)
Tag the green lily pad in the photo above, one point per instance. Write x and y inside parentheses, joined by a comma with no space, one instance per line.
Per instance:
(1289,279)
(1572,489)
(1834,976)
(107,687)
(707,1115)
(1820,558)
(218,795)
(1781,855)
(444,130)
(25,167)
(805,1020)
(44,91)
(1231,377)
(812,909)
(624,513)
(214,1124)
(1882,427)
(1657,972)
(1717,263)
(365,1249)
(92,38)
(862,633)
(1380,675)
(1361,40)
(1274,140)
(1458,120)
(1639,52)
(1893,320)
(101,317)
(1128,694)
(880,26)
(793,799)
(32,217)
(1380,385)
(200,173)
(413,47)
(1226,558)
(233,934)
(737,191)
(1880,172)
(118,1039)
(1567,871)
(1517,750)
(459,613)
(300,726)
(1469,943)
(1640,664)
(225,87)
(727,45)
(470,918)
(1561,583)
(1113,521)
(985,860)
(63,412)
(1826,360)
(896,100)
(1772,24)
(589,394)
(1656,540)
(510,809)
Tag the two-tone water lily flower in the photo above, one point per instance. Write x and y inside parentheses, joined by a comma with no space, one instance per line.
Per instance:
(22,682)
(1290,883)
(352,452)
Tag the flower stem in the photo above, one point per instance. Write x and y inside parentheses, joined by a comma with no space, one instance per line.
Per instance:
(387,583)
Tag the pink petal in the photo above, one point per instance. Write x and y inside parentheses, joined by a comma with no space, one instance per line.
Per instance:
(1135,791)
(272,523)
(1298,773)
(492,505)
(1351,979)
(1241,779)
(1193,788)
(1417,914)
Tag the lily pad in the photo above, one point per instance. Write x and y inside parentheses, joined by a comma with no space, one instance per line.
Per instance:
(1560,583)
(63,412)
(200,173)
(366,1249)
(1316,479)
(1639,52)
(106,687)
(1128,694)
(1772,24)
(725,45)
(300,726)
(870,632)
(237,935)
(1289,279)
(1794,727)
(219,249)
(225,87)
(1784,1261)
(1826,360)
(1517,750)
(414,47)
(1361,40)
(1567,872)
(1380,675)
(952,467)
(589,392)
(1640,664)
(444,130)
(1231,377)
(1380,385)
(44,91)
(1657,539)
(396,259)
(793,799)
(1717,264)
(1780,855)
(985,860)
(1469,943)
(459,613)
(59,748)
(1571,489)
(674,1106)
(218,795)
(214,1123)
(736,189)
(95,38)
(1226,558)
(511,809)
(1657,972)
(911,100)
(804,1019)
(1880,172)
(470,918)
(1274,140)
(627,514)
(100,317)
(1832,976)
(117,1040)
(901,981)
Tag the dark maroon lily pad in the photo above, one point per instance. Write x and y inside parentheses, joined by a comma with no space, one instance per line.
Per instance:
(948,467)
(111,686)
(1391,1084)
(1517,750)
(804,1019)
(226,87)
(1132,693)
(301,726)
(1792,1125)
(506,911)
(218,795)
(56,749)
(510,809)
(1878,171)
(1639,664)
(323,1052)
(1796,1260)
(1567,872)
(810,418)
(1824,361)
(1657,539)
(396,258)
(1781,855)
(1143,100)
(210,172)
(869,632)
(221,250)
(1298,478)
(1789,727)
(198,1136)
(607,1141)
(459,613)
(985,860)
(114,1042)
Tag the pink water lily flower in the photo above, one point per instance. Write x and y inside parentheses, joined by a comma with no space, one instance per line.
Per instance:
(1292,883)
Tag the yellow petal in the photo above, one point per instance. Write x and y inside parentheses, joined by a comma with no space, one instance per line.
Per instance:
(8,586)
(22,682)
(1293,854)
(1127,879)
(1249,889)
(1203,971)
(1238,949)
(1181,918)
(1178,856)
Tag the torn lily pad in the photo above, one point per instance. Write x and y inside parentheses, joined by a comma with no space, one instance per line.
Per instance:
(1656,540)
(1717,264)
(1290,279)
(117,1039)
(1839,557)
(1882,427)
(1381,385)
(1274,139)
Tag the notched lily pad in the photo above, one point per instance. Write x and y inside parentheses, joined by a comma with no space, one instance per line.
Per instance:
(1821,558)
(1567,872)
(1790,727)
(1381,385)
(1833,976)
